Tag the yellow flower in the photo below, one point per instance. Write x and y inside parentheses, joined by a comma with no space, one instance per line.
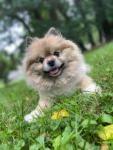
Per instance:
(106,133)
(59,114)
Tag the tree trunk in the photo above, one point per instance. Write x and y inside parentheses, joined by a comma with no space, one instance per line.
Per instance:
(87,28)
(100,33)
(102,21)
(90,37)
(108,30)
(81,45)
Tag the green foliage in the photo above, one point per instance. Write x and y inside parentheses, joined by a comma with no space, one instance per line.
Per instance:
(81,17)
(6,65)
(64,141)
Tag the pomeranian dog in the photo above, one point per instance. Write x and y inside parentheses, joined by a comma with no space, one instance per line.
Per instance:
(54,66)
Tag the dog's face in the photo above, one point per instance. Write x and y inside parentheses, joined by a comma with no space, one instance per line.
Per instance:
(49,57)
(52,65)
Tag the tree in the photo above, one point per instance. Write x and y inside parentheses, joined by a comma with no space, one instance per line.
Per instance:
(103,18)
(86,23)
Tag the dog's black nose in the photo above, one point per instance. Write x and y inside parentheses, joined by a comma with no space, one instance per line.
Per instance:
(51,63)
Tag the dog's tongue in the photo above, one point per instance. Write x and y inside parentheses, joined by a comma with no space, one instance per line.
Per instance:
(54,72)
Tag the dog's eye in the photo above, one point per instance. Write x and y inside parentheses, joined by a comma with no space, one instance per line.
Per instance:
(39,60)
(56,53)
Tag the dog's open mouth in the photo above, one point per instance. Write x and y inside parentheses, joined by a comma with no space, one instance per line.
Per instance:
(56,71)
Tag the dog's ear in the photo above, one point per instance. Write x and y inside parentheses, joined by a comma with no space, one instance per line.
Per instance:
(29,40)
(53,31)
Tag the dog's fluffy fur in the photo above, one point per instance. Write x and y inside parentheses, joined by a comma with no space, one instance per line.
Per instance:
(69,73)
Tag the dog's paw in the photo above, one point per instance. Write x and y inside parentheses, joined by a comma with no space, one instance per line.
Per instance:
(28,118)
(32,116)
(93,88)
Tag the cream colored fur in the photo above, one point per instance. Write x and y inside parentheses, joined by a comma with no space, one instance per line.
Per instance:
(74,75)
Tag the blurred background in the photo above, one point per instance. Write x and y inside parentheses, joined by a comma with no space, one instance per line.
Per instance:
(89,23)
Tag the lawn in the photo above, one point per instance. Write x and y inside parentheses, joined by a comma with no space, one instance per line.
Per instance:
(78,131)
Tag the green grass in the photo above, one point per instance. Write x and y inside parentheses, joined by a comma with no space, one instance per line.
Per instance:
(76,132)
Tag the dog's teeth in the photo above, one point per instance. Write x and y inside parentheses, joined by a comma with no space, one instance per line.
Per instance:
(54,71)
